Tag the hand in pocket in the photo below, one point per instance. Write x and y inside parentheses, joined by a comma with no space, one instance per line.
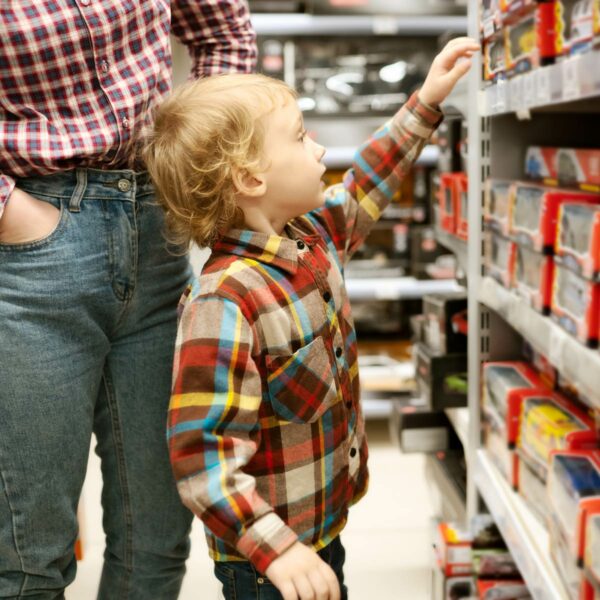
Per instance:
(26,219)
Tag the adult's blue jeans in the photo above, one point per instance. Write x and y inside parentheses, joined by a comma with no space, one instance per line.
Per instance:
(87,329)
(241,581)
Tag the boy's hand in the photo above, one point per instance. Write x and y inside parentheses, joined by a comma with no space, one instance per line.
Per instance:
(300,574)
(446,69)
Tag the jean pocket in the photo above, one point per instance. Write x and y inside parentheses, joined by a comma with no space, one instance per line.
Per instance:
(302,386)
(37,244)
(226,575)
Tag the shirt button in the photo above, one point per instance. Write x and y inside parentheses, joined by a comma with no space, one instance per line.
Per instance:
(348,404)
(104,66)
(85,2)
(260,581)
(124,185)
(125,123)
(339,351)
(352,452)
(327,296)
(300,245)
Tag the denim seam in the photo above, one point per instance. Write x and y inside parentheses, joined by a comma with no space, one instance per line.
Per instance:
(121,469)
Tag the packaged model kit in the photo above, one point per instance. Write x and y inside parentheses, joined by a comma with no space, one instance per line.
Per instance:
(499,258)
(532,279)
(496,211)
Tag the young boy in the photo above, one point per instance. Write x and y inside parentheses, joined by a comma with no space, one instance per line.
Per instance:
(265,430)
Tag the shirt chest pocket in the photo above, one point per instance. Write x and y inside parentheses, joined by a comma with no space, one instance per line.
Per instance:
(302,386)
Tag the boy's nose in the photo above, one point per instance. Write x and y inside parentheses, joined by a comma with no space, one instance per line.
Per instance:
(320,152)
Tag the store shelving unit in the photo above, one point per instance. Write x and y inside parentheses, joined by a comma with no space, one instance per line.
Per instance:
(397,288)
(556,105)
(456,245)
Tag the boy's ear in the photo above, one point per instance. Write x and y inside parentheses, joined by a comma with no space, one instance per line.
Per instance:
(249,184)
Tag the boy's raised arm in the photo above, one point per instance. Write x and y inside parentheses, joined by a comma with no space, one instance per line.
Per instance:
(213,429)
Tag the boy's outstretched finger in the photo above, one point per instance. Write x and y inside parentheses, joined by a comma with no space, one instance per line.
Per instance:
(332,581)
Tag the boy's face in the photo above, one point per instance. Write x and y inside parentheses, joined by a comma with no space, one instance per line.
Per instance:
(294,168)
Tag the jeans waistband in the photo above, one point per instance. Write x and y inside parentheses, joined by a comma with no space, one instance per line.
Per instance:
(77,184)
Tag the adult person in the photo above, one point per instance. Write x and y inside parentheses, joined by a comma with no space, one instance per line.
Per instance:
(88,287)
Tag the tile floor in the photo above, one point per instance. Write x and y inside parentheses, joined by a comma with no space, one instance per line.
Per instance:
(387,539)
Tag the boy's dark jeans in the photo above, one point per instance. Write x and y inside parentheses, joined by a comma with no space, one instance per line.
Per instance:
(241,581)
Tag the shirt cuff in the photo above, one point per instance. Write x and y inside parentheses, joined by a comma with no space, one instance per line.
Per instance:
(7,185)
(425,118)
(265,540)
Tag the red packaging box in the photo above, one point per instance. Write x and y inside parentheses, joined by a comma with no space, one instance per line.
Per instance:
(491,589)
(462,205)
(577,167)
(496,213)
(576,304)
(533,214)
(499,258)
(591,588)
(453,550)
(532,279)
(578,238)
(447,202)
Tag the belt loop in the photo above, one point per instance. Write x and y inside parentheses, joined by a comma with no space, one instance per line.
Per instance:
(75,201)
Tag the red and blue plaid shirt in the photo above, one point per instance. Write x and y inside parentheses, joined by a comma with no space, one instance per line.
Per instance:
(265,431)
(79,78)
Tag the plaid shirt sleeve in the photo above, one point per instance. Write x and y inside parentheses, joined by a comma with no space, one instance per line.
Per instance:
(213,429)
(218,34)
(380,164)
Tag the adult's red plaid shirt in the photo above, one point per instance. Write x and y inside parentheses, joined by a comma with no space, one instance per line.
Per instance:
(78,78)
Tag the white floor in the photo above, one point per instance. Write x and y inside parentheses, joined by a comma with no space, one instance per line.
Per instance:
(388,538)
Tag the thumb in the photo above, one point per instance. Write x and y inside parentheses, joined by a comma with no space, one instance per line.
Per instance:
(459,69)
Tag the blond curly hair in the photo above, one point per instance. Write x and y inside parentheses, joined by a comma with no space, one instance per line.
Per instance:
(201,133)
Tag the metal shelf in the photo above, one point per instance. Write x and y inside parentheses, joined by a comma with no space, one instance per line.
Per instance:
(576,78)
(347,25)
(459,417)
(339,157)
(456,245)
(577,363)
(525,536)
(397,288)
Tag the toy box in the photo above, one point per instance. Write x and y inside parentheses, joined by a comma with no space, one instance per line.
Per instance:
(574,495)
(453,550)
(533,214)
(530,39)
(496,211)
(499,257)
(503,383)
(532,279)
(566,565)
(592,559)
(506,460)
(575,26)
(578,238)
(552,422)
(447,202)
(577,167)
(448,141)
(439,332)
(494,58)
(575,305)
(462,205)
(490,18)
(532,488)
(491,557)
(502,589)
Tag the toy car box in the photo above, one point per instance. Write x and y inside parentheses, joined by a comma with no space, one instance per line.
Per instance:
(438,310)
(462,205)
(575,305)
(498,589)
(453,550)
(550,422)
(591,589)
(490,18)
(533,214)
(532,279)
(434,377)
(499,257)
(494,58)
(578,167)
(532,489)
(497,205)
(578,238)
(447,202)
(575,26)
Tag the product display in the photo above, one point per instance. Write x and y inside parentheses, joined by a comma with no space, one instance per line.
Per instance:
(578,239)
(575,305)
(534,212)
(499,258)
(592,559)
(533,277)
(497,205)
(439,331)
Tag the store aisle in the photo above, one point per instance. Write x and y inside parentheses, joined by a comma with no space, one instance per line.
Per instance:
(387,539)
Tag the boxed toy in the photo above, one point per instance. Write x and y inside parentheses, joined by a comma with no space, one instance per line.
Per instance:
(462,205)
(534,212)
(592,559)
(496,210)
(552,422)
(574,495)
(499,257)
(459,587)
(453,550)
(490,18)
(530,39)
(575,26)
(438,310)
(533,276)
(578,238)
(577,167)
(506,460)
(494,58)
(447,203)
(491,557)
(566,565)
(502,589)
(532,488)
(575,305)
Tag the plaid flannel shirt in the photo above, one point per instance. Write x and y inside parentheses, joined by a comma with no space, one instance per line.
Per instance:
(79,78)
(265,430)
